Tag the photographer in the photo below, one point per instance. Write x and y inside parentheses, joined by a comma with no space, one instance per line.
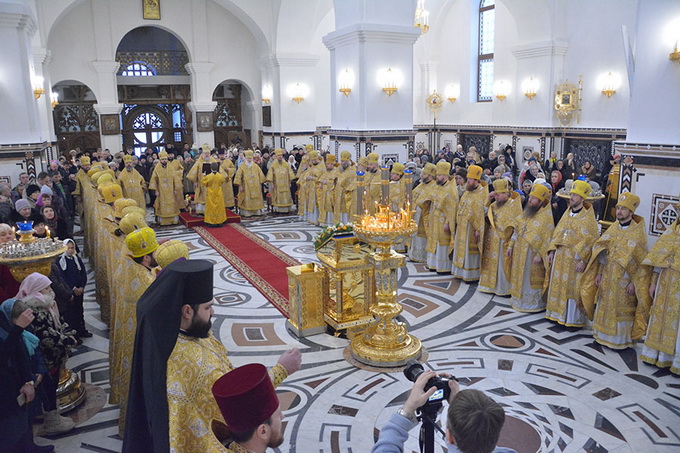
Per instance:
(473,424)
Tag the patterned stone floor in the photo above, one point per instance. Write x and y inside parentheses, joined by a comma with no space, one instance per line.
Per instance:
(560,390)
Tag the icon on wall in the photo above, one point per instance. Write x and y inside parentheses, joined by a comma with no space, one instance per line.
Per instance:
(152,9)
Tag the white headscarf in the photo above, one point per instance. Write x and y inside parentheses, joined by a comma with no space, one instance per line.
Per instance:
(65,255)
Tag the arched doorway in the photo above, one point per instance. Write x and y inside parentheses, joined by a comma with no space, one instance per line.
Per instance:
(230,127)
(155,111)
(76,123)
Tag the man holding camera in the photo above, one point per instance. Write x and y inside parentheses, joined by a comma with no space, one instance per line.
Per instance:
(473,421)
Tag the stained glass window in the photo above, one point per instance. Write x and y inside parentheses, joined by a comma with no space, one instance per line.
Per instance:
(487,21)
(138,69)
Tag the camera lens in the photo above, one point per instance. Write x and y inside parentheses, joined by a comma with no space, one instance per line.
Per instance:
(413,370)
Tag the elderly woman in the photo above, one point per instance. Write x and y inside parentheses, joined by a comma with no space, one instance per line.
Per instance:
(56,340)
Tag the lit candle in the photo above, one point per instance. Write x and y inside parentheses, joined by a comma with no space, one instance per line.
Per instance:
(47,229)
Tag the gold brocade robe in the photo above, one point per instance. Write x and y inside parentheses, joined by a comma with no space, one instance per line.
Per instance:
(193,367)
(500,220)
(534,232)
(470,213)
(302,185)
(325,190)
(345,193)
(573,237)
(419,240)
(177,166)
(280,176)
(166,182)
(372,182)
(250,179)
(625,251)
(133,186)
(102,222)
(215,212)
(662,332)
(135,280)
(311,179)
(443,207)
(195,174)
(228,171)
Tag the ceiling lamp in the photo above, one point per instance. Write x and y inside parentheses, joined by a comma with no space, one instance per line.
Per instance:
(422,17)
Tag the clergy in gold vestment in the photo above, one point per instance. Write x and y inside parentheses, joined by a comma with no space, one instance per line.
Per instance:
(176,362)
(311,181)
(372,182)
(228,171)
(325,189)
(443,200)
(280,176)
(500,218)
(570,249)
(397,195)
(469,237)
(615,285)
(662,344)
(345,190)
(528,249)
(302,187)
(416,251)
(177,166)
(215,212)
(166,182)
(196,173)
(132,182)
(249,179)
(136,276)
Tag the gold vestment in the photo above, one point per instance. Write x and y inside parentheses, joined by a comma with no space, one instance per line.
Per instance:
(215,213)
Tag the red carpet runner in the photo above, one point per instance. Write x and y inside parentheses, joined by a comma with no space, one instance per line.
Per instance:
(262,264)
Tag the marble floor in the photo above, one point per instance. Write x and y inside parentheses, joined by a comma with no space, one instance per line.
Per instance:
(561,391)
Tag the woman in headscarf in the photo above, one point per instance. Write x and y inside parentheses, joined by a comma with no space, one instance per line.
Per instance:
(558,204)
(18,356)
(58,227)
(73,271)
(56,340)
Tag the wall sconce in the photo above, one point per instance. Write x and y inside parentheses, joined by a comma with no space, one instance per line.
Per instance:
(609,83)
(452,92)
(54,97)
(389,83)
(38,89)
(422,17)
(501,89)
(530,87)
(267,94)
(675,55)
(298,92)
(346,81)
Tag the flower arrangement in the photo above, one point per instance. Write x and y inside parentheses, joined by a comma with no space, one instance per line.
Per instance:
(330,231)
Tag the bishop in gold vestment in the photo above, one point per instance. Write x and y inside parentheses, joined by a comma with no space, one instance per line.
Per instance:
(215,212)
(416,251)
(228,171)
(132,182)
(345,201)
(469,237)
(500,218)
(280,176)
(166,182)
(195,175)
(443,200)
(372,182)
(325,190)
(310,182)
(570,249)
(528,248)
(249,179)
(615,285)
(662,344)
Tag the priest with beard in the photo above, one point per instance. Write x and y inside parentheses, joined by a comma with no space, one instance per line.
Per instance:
(528,252)
(176,362)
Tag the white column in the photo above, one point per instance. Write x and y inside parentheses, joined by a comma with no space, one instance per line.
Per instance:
(107,101)
(289,70)
(20,118)
(201,99)
(41,59)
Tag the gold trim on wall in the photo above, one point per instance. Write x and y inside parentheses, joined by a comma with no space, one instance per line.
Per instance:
(152,9)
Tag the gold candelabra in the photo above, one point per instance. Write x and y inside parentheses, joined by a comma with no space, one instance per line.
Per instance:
(385,342)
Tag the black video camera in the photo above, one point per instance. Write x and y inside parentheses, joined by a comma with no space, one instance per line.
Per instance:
(414,369)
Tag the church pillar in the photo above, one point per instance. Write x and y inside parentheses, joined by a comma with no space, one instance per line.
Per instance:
(202,106)
(371,37)
(107,104)
(21,119)
(41,59)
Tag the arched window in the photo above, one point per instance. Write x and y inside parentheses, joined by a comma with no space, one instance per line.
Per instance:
(487,20)
(138,69)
